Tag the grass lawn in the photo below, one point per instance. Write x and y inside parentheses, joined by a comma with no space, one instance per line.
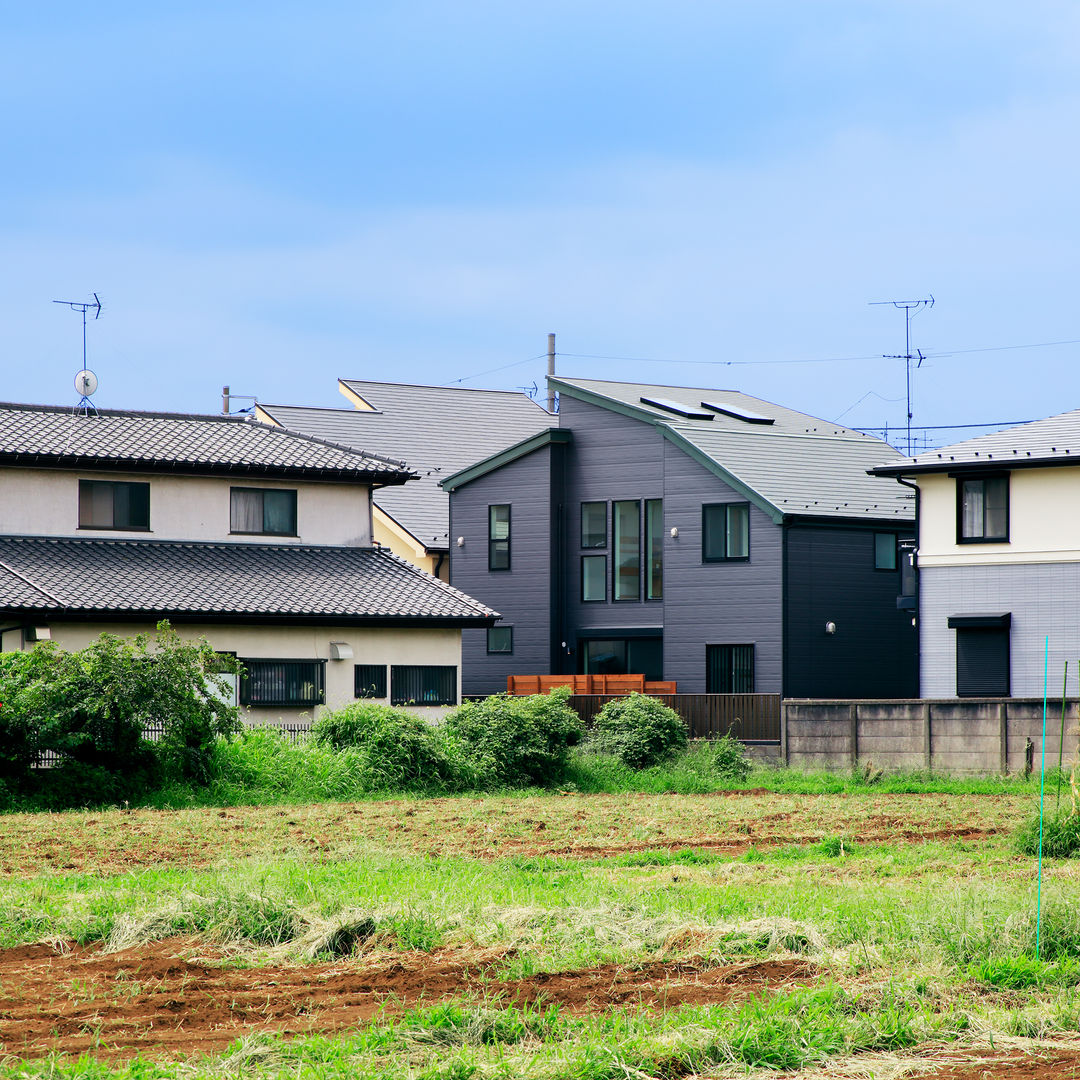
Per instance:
(848,933)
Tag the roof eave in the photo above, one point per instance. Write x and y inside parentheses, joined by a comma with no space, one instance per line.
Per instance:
(519,450)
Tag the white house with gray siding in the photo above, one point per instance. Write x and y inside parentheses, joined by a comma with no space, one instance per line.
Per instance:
(695,535)
(998,558)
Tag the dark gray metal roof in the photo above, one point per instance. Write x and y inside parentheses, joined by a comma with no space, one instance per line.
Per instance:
(49,435)
(55,576)
(1053,441)
(798,464)
(437,430)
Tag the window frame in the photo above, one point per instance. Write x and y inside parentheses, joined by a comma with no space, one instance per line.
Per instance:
(615,538)
(981,477)
(319,682)
(581,525)
(603,577)
(896,553)
(731,667)
(705,508)
(397,698)
(114,485)
(507,540)
(264,531)
(654,549)
(378,684)
(500,652)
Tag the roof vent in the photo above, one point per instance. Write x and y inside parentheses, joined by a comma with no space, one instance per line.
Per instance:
(677,407)
(737,412)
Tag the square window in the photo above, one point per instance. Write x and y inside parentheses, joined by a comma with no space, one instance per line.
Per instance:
(369,680)
(593,525)
(593,578)
(262,511)
(885,551)
(725,532)
(113,504)
(729,669)
(500,639)
(982,509)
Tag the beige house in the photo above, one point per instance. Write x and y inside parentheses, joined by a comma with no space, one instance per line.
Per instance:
(436,430)
(258,539)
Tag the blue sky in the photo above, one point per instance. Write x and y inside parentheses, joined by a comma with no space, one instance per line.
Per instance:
(274,195)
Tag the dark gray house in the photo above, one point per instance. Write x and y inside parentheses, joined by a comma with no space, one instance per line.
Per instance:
(695,535)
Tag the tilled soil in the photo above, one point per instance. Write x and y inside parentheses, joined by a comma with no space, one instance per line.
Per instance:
(174,998)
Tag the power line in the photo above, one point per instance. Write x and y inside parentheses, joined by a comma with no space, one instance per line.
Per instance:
(491,371)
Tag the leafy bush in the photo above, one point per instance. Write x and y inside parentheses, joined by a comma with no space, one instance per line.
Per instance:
(1060,835)
(516,740)
(638,730)
(399,750)
(24,687)
(729,758)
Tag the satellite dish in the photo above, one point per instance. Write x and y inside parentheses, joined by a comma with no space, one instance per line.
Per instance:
(86,383)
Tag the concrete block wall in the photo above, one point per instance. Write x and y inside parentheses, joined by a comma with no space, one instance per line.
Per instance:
(961,735)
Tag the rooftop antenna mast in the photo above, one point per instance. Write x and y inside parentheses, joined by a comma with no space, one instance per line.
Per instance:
(910,308)
(86,381)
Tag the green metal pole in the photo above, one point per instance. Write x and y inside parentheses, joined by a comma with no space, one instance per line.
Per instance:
(1042,788)
(1061,739)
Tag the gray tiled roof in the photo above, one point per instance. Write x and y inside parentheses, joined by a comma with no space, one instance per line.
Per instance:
(40,434)
(437,430)
(797,465)
(161,577)
(1054,440)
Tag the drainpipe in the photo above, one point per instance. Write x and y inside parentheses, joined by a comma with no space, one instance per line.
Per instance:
(918,591)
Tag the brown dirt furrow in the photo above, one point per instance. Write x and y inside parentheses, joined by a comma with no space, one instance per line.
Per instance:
(167,999)
(1038,1063)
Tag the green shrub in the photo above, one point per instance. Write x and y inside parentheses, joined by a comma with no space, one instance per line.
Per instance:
(639,730)
(400,751)
(24,686)
(516,741)
(729,758)
(1060,835)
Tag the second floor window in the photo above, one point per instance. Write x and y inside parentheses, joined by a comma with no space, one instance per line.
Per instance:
(725,532)
(112,504)
(626,518)
(982,509)
(499,537)
(263,511)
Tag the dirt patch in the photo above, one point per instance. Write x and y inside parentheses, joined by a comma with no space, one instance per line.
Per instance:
(174,999)
(1036,1063)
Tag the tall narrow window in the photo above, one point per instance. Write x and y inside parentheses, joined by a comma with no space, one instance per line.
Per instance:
(884,551)
(263,511)
(593,578)
(982,509)
(627,530)
(725,532)
(654,549)
(729,669)
(593,525)
(113,504)
(499,537)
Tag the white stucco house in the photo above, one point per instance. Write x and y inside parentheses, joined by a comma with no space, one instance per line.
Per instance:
(254,537)
(998,521)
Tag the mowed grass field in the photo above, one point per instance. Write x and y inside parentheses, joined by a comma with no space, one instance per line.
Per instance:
(549,935)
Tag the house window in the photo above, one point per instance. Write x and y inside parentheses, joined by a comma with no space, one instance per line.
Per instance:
(729,669)
(500,639)
(416,684)
(593,525)
(725,532)
(654,549)
(296,683)
(262,511)
(627,531)
(113,504)
(593,578)
(369,680)
(982,509)
(223,681)
(499,537)
(624,656)
(982,655)
(884,551)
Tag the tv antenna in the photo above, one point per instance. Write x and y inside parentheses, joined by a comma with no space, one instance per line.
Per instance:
(86,381)
(910,308)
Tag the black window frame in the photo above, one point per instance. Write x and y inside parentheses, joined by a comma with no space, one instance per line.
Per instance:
(283,702)
(972,478)
(603,577)
(603,519)
(653,555)
(369,681)
(705,532)
(115,485)
(895,550)
(724,663)
(265,531)
(444,694)
(493,542)
(615,597)
(500,652)
(977,638)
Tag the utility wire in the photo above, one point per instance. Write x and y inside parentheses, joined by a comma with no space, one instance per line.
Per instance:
(491,371)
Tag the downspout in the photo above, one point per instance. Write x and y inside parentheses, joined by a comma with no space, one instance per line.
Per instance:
(918,590)
(438,564)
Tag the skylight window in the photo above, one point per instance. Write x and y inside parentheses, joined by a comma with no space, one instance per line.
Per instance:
(677,407)
(738,413)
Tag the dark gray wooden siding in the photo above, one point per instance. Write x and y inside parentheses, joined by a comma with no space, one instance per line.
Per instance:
(523,593)
(831,578)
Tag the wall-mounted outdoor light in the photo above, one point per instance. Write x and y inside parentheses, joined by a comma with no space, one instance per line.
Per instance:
(830,628)
(674,533)
(461,541)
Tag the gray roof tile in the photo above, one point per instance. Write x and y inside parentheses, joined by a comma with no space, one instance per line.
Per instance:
(437,430)
(40,434)
(353,584)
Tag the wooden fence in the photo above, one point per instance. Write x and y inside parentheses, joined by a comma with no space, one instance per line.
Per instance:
(748,717)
